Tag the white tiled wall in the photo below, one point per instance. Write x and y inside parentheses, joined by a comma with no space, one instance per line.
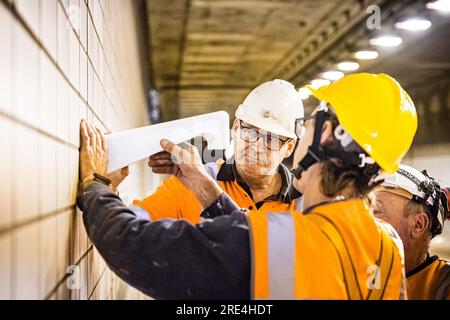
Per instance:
(60,61)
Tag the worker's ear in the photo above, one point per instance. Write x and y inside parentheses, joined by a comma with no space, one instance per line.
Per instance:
(421,225)
(327,133)
(290,147)
(235,127)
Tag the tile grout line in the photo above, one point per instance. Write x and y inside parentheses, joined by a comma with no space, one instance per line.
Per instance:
(14,259)
(98,281)
(88,57)
(64,278)
(35,38)
(40,131)
(39,218)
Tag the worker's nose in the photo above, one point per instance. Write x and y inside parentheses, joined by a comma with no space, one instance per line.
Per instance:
(258,146)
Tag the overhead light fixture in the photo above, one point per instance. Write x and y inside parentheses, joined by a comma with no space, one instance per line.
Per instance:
(413,24)
(366,55)
(348,66)
(440,5)
(305,93)
(386,41)
(318,83)
(332,75)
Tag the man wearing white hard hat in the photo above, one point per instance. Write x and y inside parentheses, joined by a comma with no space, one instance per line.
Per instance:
(415,205)
(263,135)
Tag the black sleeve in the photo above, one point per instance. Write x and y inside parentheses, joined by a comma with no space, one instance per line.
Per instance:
(169,259)
(223,206)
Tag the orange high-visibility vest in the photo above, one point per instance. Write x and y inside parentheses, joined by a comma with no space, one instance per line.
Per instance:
(430,282)
(172,200)
(336,251)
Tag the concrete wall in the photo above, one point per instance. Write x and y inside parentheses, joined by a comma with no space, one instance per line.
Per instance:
(61,61)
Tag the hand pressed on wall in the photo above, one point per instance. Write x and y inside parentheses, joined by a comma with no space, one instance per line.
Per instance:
(93,152)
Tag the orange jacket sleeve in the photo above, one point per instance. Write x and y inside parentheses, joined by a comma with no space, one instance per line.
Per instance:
(172,200)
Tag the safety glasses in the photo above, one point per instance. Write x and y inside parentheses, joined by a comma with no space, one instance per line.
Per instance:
(271,142)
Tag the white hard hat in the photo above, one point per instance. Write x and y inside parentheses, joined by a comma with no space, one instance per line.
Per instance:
(273,106)
(421,188)
(409,179)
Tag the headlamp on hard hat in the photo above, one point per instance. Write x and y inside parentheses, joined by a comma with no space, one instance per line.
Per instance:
(423,189)
(436,196)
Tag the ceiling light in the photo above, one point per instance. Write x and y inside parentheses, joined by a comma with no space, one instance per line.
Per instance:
(348,66)
(318,83)
(440,5)
(413,24)
(366,55)
(386,41)
(332,75)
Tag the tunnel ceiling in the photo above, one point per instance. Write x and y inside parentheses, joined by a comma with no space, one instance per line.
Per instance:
(206,55)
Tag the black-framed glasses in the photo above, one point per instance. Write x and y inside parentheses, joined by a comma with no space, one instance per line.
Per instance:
(271,141)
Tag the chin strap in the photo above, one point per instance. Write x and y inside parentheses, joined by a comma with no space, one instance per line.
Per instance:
(350,154)
(315,151)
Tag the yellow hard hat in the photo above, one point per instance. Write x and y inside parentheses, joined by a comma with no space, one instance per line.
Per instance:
(376,112)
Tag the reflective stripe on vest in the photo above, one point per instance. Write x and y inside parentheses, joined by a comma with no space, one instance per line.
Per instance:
(212,169)
(281,254)
(298,206)
(273,242)
(275,264)
(140,213)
